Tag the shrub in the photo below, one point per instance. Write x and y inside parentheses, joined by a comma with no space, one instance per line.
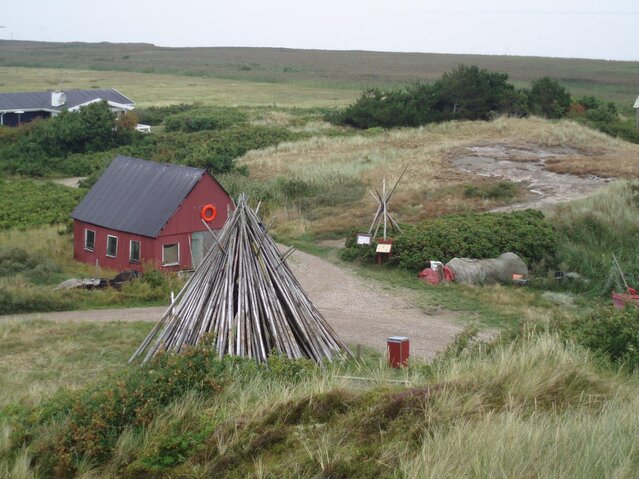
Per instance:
(155,115)
(204,119)
(610,332)
(500,191)
(548,98)
(484,235)
(25,203)
(465,93)
(35,268)
(95,417)
(38,148)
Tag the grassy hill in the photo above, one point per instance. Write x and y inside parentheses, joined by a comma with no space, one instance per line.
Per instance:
(614,80)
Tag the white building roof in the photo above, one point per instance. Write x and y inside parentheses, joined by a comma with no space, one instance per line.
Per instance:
(637,103)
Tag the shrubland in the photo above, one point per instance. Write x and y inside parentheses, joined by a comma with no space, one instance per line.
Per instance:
(481,408)
(471,93)
(485,235)
(33,261)
(28,203)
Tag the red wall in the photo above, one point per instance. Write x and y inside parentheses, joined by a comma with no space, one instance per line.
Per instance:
(178,229)
(121,261)
(187,217)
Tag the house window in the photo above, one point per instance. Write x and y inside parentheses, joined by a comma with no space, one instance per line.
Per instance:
(170,254)
(89,240)
(134,251)
(112,246)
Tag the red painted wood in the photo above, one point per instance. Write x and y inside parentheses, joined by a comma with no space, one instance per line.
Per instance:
(187,218)
(178,229)
(121,261)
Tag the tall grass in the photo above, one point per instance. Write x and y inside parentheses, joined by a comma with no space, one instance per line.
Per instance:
(534,408)
(432,185)
(593,229)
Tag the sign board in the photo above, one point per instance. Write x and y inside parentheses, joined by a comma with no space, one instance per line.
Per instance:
(383,248)
(364,239)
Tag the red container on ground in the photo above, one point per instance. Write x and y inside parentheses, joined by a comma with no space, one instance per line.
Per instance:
(398,351)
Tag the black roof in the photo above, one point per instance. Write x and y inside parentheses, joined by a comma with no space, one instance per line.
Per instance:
(137,196)
(41,100)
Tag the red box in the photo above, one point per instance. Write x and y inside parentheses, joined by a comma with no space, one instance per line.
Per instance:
(398,351)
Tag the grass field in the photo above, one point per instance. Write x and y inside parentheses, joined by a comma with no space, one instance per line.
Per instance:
(534,408)
(148,89)
(353,70)
(432,185)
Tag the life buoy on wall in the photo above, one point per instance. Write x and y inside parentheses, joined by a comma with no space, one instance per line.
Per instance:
(208,213)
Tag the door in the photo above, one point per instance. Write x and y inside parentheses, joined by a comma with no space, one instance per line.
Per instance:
(200,244)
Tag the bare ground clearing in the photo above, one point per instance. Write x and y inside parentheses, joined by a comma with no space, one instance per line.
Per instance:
(362,312)
(528,166)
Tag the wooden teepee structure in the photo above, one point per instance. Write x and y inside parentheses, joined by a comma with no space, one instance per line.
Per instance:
(246,295)
(382,216)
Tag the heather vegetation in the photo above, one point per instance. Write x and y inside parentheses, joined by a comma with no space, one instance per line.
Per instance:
(486,407)
(550,391)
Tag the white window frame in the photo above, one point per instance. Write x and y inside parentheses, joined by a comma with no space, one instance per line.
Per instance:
(116,246)
(131,260)
(86,233)
(164,263)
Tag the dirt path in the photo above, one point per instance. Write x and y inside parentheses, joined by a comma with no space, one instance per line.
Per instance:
(362,312)
(527,165)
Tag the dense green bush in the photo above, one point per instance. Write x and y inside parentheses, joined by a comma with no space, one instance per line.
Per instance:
(465,93)
(95,417)
(40,147)
(155,115)
(473,235)
(204,119)
(548,98)
(611,332)
(27,203)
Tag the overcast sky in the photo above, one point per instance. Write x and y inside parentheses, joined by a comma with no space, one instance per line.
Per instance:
(558,28)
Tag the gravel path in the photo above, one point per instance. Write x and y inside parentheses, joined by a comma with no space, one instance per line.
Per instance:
(362,312)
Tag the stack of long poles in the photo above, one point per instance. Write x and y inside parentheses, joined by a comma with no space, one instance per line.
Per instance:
(246,295)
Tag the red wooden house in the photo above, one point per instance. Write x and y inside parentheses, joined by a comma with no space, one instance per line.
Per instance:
(140,211)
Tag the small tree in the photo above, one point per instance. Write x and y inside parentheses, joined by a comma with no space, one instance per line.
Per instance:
(548,98)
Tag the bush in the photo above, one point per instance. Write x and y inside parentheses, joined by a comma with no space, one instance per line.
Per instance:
(26,203)
(610,332)
(548,98)
(483,235)
(204,119)
(39,148)
(36,268)
(95,417)
(465,93)
(155,115)
(501,191)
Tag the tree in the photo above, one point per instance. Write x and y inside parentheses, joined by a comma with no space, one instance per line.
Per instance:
(472,93)
(548,98)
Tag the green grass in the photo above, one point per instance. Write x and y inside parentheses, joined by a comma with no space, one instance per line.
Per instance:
(39,357)
(533,408)
(350,70)
(150,89)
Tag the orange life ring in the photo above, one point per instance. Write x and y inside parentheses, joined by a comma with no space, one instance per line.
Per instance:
(208,213)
